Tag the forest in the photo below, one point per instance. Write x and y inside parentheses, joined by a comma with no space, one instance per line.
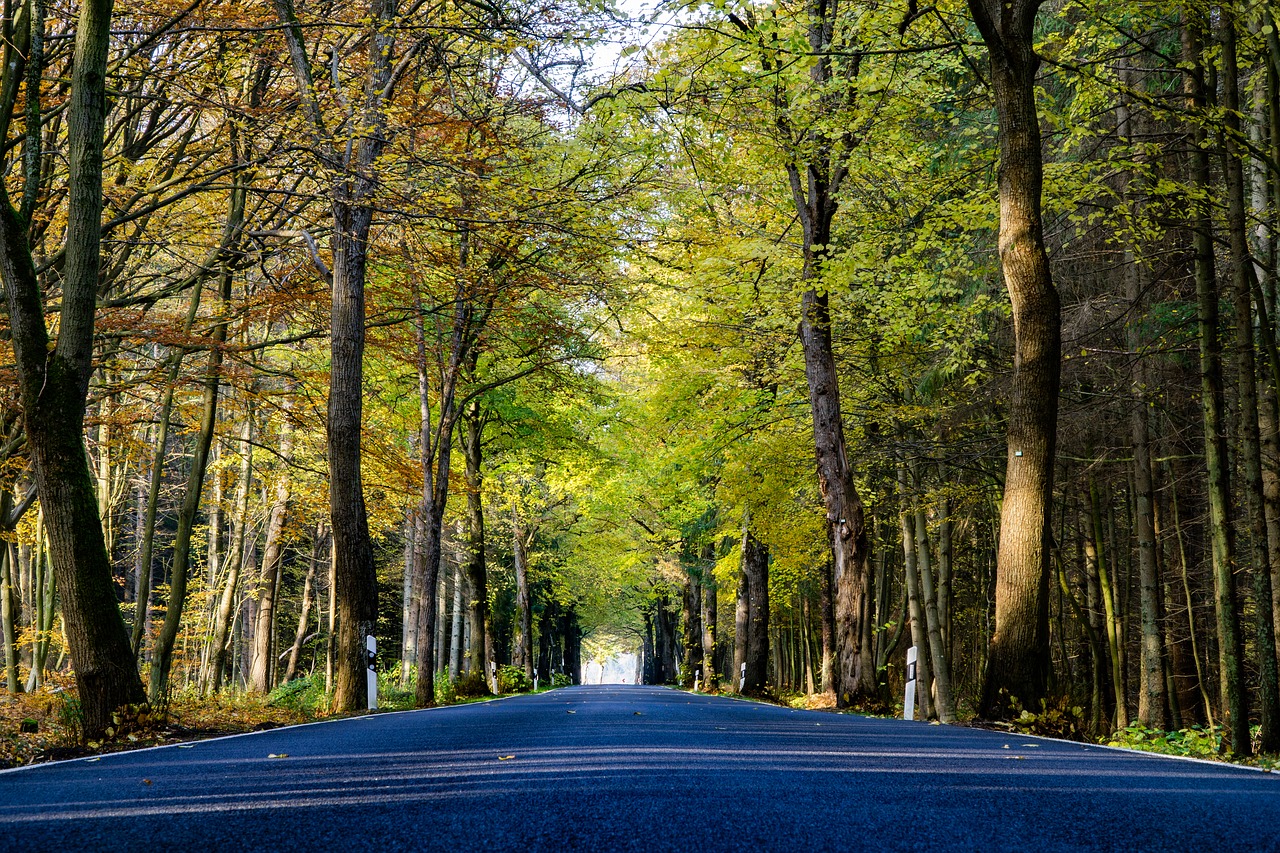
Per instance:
(759,339)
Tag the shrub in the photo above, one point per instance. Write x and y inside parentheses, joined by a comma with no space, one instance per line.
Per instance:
(559,679)
(446,693)
(470,685)
(511,679)
(304,695)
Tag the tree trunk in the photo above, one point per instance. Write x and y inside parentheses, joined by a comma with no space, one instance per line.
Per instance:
(9,615)
(1230,642)
(354,185)
(162,655)
(1246,368)
(455,633)
(755,571)
(260,672)
(235,559)
(1018,661)
(53,378)
(911,564)
(410,605)
(941,667)
(477,574)
(709,628)
(691,629)
(523,658)
(318,545)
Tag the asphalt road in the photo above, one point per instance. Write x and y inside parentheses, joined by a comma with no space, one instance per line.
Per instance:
(635,768)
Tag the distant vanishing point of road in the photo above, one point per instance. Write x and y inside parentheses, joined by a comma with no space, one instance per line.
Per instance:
(635,769)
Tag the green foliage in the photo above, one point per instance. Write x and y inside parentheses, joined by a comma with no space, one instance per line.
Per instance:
(1056,718)
(71,717)
(1195,742)
(471,685)
(559,679)
(511,679)
(445,691)
(305,695)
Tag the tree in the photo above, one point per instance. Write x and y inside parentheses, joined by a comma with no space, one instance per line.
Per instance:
(1018,662)
(54,380)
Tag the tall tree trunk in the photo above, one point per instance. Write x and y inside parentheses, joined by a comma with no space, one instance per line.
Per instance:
(411,603)
(691,628)
(235,558)
(162,655)
(709,628)
(911,564)
(1114,637)
(319,544)
(9,614)
(455,632)
(1246,368)
(260,671)
(523,658)
(476,571)
(53,378)
(351,197)
(755,571)
(941,667)
(1018,658)
(1230,642)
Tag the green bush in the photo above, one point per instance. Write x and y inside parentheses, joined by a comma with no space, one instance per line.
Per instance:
(1196,741)
(511,679)
(559,679)
(471,685)
(305,695)
(446,692)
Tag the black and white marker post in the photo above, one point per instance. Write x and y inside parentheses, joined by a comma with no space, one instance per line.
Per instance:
(493,676)
(909,701)
(697,677)
(742,680)
(371,674)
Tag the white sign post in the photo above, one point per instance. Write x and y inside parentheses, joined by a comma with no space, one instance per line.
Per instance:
(371,674)
(742,680)
(909,701)
(697,676)
(493,675)
(535,682)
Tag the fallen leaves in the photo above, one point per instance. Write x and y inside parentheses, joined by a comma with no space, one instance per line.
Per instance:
(278,755)
(505,757)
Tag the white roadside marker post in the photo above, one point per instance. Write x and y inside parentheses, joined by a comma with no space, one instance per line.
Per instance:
(535,682)
(371,674)
(909,701)
(742,680)
(493,675)
(697,677)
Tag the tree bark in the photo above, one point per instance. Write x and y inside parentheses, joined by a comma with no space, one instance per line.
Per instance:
(523,657)
(1246,369)
(477,574)
(1018,660)
(318,545)
(709,629)
(755,573)
(235,559)
(260,671)
(1235,712)
(53,382)
(162,655)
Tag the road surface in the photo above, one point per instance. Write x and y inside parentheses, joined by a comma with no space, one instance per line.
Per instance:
(635,769)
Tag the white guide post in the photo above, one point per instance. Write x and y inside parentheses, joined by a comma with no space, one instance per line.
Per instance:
(742,680)
(371,674)
(909,701)
(697,676)
(493,675)
(535,682)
